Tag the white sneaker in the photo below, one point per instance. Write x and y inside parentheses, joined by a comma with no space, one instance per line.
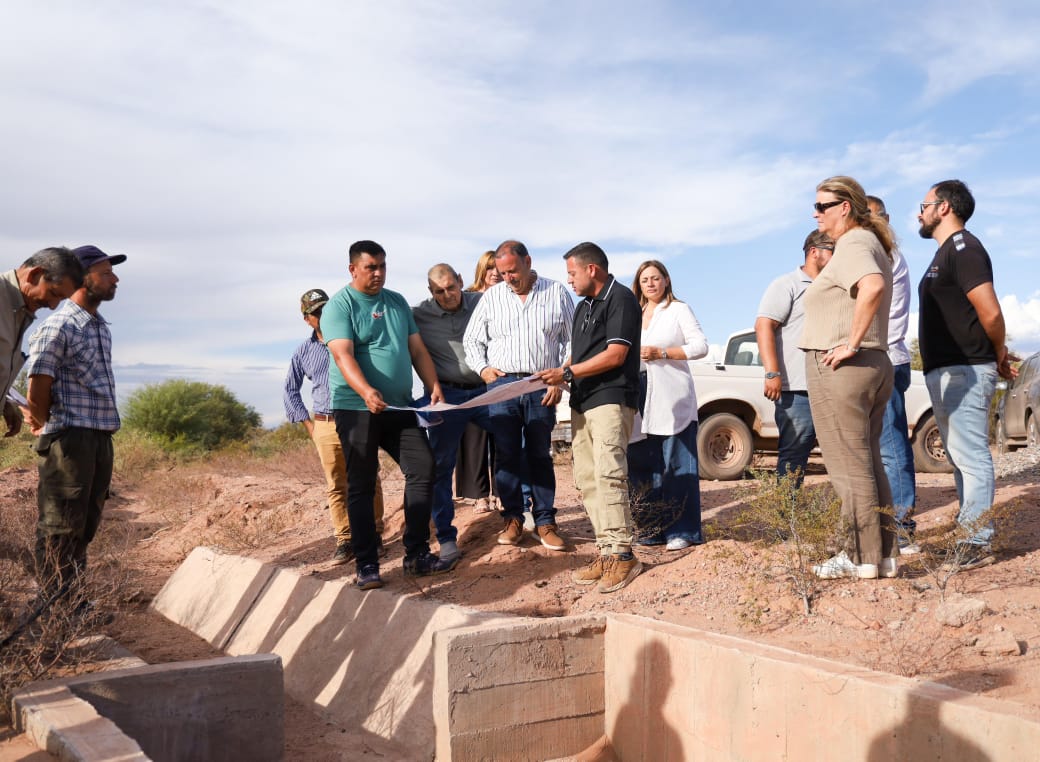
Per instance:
(909,550)
(889,568)
(677,543)
(841,566)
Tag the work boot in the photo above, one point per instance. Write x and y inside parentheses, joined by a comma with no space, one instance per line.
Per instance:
(591,572)
(512,532)
(550,537)
(619,571)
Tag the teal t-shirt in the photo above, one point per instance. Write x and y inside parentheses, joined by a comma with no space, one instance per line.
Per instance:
(379,326)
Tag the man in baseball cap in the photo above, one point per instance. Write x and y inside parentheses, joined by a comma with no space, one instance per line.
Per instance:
(72,406)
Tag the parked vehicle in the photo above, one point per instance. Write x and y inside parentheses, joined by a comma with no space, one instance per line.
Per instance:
(736,419)
(1018,408)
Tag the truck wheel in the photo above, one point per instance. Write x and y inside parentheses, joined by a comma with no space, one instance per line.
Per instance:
(1001,437)
(1032,432)
(724,447)
(929,453)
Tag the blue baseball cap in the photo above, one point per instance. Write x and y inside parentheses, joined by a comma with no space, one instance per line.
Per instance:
(92,255)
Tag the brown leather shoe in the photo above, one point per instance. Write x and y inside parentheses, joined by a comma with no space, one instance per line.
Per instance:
(550,537)
(590,573)
(512,532)
(618,573)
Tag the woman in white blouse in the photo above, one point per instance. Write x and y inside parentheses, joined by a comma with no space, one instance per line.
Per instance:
(662,465)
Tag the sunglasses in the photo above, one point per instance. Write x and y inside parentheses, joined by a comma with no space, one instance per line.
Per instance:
(928,203)
(821,208)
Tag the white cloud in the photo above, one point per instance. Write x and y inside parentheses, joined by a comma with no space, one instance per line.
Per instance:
(1022,320)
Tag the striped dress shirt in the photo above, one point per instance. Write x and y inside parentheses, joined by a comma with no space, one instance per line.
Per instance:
(520,336)
(310,361)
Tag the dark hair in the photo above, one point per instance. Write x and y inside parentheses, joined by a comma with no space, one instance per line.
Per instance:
(876,201)
(511,247)
(58,263)
(956,194)
(589,253)
(669,297)
(365,247)
(817,240)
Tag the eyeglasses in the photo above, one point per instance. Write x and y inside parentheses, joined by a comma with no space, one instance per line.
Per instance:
(821,208)
(929,203)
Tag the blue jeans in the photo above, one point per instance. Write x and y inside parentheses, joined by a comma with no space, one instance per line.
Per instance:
(444,441)
(896,453)
(961,396)
(522,428)
(666,487)
(793,418)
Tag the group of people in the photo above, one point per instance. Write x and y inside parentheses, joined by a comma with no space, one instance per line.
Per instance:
(831,338)
(70,403)
(622,353)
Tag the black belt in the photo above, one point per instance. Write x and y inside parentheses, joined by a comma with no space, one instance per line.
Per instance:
(516,375)
(462,387)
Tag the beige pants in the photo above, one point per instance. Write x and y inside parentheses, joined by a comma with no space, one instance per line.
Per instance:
(600,446)
(330,453)
(848,409)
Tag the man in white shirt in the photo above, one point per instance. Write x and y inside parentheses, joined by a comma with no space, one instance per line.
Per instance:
(896,452)
(520,327)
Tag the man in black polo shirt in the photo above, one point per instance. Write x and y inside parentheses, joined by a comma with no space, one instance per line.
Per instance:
(962,349)
(603,374)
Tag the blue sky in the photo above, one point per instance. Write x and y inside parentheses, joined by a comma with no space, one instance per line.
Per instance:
(234,150)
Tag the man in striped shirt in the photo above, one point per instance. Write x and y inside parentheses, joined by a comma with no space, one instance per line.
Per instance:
(72,404)
(520,327)
(311,361)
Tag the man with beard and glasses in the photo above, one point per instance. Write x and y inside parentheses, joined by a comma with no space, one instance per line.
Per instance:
(72,406)
(962,337)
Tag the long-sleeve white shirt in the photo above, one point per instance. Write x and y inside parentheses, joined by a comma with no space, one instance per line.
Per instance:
(671,401)
(899,312)
(520,336)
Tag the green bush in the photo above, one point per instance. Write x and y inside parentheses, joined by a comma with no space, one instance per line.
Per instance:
(190,415)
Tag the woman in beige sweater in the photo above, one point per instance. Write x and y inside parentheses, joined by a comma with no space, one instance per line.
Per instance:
(849,374)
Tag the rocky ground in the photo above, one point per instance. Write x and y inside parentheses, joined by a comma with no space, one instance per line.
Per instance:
(980,634)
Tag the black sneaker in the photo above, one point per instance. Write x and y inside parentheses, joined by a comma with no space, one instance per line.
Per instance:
(368,577)
(343,554)
(426,563)
(966,556)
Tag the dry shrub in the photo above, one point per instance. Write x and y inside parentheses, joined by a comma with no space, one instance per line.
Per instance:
(799,526)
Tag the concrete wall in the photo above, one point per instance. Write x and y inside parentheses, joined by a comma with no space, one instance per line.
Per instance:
(673,693)
(204,711)
(363,659)
(531,690)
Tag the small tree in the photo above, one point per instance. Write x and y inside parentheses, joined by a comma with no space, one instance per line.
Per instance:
(190,414)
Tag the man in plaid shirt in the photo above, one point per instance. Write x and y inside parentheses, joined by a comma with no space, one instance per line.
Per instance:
(72,406)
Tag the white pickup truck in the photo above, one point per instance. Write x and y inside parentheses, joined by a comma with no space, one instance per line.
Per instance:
(736,419)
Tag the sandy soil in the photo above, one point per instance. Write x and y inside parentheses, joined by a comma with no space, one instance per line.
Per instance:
(277,514)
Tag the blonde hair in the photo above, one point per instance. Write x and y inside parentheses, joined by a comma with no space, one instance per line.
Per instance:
(485,263)
(669,297)
(847,189)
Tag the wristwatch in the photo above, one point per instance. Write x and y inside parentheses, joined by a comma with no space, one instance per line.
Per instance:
(773,374)
(568,374)
(854,350)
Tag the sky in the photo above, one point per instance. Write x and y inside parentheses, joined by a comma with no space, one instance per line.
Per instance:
(234,150)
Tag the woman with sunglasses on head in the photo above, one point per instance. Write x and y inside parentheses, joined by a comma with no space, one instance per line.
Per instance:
(662,464)
(850,376)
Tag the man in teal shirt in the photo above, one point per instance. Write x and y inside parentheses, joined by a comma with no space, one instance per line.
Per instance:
(374,343)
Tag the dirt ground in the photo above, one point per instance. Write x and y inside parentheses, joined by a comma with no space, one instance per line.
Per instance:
(275,512)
